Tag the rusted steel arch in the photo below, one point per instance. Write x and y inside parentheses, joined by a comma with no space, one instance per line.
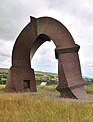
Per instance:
(38,31)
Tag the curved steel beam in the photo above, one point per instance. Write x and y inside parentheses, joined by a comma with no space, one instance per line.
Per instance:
(38,31)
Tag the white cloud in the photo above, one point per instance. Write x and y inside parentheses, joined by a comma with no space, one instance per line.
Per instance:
(5,53)
(44,58)
(6,48)
(76,15)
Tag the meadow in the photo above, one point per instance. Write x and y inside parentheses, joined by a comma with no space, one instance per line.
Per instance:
(44,106)
(39,107)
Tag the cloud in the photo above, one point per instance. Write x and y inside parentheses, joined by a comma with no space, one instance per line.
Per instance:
(4,62)
(5,53)
(6,48)
(76,15)
(14,15)
(44,58)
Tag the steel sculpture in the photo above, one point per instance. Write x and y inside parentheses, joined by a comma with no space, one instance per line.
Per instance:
(38,31)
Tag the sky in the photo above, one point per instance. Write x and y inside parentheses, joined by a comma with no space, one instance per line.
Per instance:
(76,15)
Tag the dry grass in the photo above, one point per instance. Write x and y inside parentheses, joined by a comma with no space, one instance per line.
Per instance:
(26,107)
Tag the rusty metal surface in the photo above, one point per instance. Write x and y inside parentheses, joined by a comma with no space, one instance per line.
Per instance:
(32,36)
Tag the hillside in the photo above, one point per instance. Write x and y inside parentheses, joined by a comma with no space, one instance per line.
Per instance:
(50,78)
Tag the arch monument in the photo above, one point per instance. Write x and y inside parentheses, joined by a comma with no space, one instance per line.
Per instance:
(38,31)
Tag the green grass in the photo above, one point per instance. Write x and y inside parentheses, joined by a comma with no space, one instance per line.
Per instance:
(3,70)
(51,88)
(89,89)
(40,76)
(45,73)
(2,87)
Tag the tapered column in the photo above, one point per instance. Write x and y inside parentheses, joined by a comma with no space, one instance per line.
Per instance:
(71,83)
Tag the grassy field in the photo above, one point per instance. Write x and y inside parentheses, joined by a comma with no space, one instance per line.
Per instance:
(45,73)
(89,89)
(52,88)
(2,87)
(30,107)
(3,70)
(44,106)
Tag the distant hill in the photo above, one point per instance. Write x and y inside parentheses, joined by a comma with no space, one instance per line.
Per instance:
(40,76)
(50,78)
(3,70)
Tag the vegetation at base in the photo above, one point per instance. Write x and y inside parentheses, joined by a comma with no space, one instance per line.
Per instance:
(3,75)
(38,107)
(30,107)
(2,88)
(26,107)
(51,88)
(50,78)
(89,89)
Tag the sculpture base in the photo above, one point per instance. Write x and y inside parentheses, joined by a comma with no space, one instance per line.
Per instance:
(66,93)
(73,92)
(20,80)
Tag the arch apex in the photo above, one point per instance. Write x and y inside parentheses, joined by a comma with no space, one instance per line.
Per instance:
(32,18)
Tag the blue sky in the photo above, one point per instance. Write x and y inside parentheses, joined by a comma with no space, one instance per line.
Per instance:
(76,15)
